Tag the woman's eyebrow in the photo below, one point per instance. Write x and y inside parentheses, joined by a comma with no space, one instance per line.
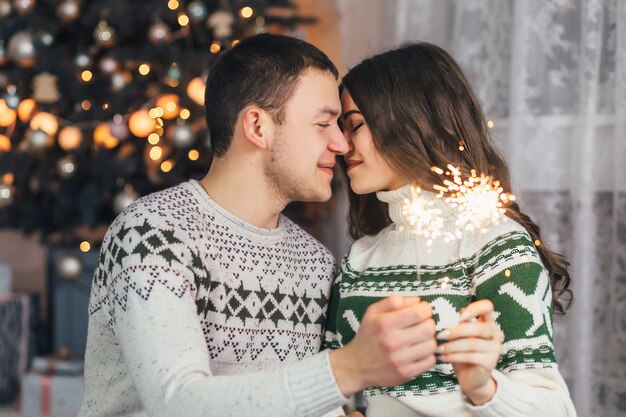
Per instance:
(348,113)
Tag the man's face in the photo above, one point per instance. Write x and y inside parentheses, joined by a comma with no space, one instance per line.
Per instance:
(303,150)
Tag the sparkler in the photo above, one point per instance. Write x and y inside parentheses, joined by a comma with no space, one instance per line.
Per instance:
(479,201)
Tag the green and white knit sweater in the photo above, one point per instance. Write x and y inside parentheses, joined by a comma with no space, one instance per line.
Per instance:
(194,312)
(501,265)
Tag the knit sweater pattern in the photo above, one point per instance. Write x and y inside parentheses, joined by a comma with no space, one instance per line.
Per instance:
(195,312)
(500,264)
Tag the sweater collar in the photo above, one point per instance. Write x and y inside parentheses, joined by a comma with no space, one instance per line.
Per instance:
(400,199)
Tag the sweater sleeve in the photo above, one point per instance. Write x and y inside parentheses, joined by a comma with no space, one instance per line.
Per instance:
(165,351)
(511,275)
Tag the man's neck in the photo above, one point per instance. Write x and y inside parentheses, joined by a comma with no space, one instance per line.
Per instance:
(243,191)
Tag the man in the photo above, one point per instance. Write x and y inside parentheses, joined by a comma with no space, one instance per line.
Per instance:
(207,301)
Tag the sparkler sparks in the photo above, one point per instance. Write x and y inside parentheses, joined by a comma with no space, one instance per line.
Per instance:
(480,199)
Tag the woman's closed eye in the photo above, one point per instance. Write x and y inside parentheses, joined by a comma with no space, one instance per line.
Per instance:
(357,127)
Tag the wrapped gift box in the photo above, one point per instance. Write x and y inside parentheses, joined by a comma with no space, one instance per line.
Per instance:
(51,395)
(18,322)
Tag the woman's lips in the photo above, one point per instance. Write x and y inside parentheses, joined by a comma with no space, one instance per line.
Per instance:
(353,163)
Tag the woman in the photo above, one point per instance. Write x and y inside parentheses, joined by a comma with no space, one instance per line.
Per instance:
(404,112)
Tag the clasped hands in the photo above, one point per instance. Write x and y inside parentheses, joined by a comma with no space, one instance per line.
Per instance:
(396,342)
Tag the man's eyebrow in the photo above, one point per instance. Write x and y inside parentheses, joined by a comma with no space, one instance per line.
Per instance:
(348,113)
(327,110)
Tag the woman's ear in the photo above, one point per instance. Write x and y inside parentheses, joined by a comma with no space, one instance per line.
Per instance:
(258,126)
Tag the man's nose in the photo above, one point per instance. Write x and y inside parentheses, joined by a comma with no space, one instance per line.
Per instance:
(338,142)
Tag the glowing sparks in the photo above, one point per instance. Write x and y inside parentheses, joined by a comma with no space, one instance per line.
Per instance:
(423,216)
(480,199)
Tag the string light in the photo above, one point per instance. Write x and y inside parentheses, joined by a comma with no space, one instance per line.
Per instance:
(183,19)
(167,166)
(155,153)
(172,4)
(85,105)
(185,114)
(144,69)
(86,76)
(85,246)
(153,138)
(5,143)
(215,47)
(490,124)
(193,155)
(246,12)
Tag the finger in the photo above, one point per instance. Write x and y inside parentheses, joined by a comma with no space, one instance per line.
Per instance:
(462,330)
(392,303)
(415,353)
(416,368)
(467,345)
(481,308)
(473,358)
(408,316)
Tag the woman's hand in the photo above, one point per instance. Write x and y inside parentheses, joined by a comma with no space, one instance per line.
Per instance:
(473,347)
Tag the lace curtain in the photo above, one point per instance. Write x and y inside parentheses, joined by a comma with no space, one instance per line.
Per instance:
(551,75)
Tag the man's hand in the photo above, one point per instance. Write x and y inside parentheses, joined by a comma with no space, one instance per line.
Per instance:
(395,343)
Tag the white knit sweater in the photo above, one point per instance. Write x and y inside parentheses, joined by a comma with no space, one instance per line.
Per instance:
(509,272)
(194,312)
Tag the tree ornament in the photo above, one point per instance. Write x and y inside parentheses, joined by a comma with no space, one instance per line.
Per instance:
(11,98)
(109,65)
(69,266)
(197,11)
(5,8)
(66,167)
(159,33)
(45,88)
(82,60)
(6,195)
(104,34)
(68,11)
(182,136)
(38,140)
(124,199)
(23,7)
(22,49)
(221,23)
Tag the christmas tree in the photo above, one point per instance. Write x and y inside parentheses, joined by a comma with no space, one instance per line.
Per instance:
(101,102)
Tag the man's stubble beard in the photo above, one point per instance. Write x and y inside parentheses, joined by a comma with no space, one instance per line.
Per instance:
(282,182)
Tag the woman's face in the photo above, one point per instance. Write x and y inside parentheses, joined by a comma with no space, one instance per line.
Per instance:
(367,169)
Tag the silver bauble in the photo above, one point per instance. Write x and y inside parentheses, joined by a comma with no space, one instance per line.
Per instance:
(124,199)
(82,60)
(197,11)
(5,8)
(109,65)
(68,11)
(104,34)
(6,195)
(11,99)
(66,167)
(22,49)
(159,33)
(182,136)
(23,6)
(69,266)
(38,140)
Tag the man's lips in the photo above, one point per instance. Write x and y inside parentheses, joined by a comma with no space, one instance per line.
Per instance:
(352,163)
(327,168)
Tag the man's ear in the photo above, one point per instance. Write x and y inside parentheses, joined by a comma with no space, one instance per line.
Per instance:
(258,126)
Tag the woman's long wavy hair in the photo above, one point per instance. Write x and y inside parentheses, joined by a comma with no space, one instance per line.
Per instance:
(420,109)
